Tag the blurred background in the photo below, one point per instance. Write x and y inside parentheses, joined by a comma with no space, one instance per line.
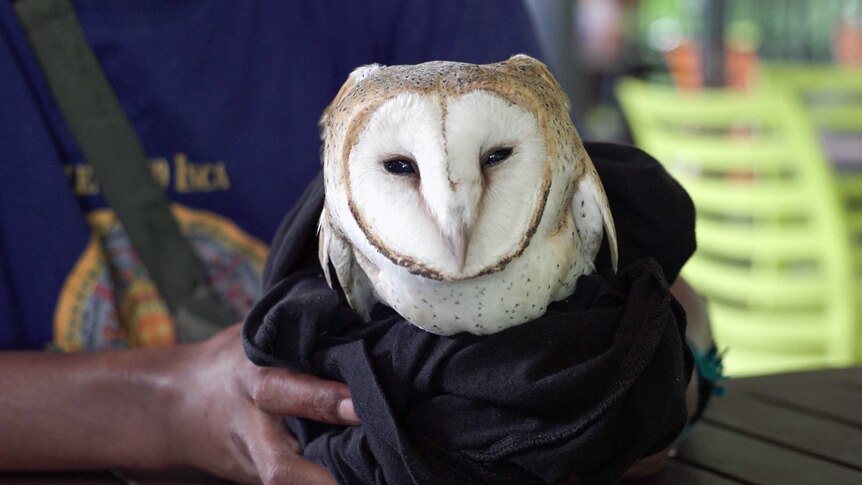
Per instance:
(756,108)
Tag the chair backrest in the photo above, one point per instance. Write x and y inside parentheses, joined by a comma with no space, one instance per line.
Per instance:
(772,254)
(832,98)
(831,95)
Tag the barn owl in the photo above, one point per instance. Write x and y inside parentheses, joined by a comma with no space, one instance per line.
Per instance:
(458,194)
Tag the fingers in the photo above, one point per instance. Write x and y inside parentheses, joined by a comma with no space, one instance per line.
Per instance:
(276,455)
(283,393)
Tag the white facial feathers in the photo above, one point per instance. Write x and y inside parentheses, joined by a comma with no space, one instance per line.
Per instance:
(457,194)
(448,141)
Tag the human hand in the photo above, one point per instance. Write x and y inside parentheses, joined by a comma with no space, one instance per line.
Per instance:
(229,414)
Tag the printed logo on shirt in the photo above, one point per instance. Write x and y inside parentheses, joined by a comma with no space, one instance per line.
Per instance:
(183,176)
(108,301)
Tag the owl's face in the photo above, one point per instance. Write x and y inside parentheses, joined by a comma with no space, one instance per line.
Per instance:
(450,181)
(446,167)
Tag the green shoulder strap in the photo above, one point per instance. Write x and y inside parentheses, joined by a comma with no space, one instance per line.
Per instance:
(110,145)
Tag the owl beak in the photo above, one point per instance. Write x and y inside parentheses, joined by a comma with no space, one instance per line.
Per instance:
(458,240)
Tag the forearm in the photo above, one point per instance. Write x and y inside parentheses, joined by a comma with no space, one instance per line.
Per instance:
(88,411)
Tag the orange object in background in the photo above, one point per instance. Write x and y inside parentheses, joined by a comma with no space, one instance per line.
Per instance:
(741,67)
(740,59)
(685,65)
(847,43)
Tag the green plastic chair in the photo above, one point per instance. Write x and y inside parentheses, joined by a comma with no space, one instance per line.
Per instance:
(832,99)
(773,250)
(831,95)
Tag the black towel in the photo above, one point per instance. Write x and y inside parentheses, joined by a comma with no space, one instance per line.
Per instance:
(585,390)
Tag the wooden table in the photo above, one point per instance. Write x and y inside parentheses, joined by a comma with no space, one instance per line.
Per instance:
(789,428)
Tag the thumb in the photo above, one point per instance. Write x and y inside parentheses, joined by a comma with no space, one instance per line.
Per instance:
(284,393)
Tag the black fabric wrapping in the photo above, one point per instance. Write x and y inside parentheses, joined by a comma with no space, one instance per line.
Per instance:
(587,389)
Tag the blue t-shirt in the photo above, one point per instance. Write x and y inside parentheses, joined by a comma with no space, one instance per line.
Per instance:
(225,98)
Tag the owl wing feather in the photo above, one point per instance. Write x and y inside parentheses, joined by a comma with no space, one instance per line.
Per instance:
(335,249)
(591,211)
(324,232)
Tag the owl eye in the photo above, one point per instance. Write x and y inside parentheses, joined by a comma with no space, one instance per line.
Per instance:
(498,156)
(399,166)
